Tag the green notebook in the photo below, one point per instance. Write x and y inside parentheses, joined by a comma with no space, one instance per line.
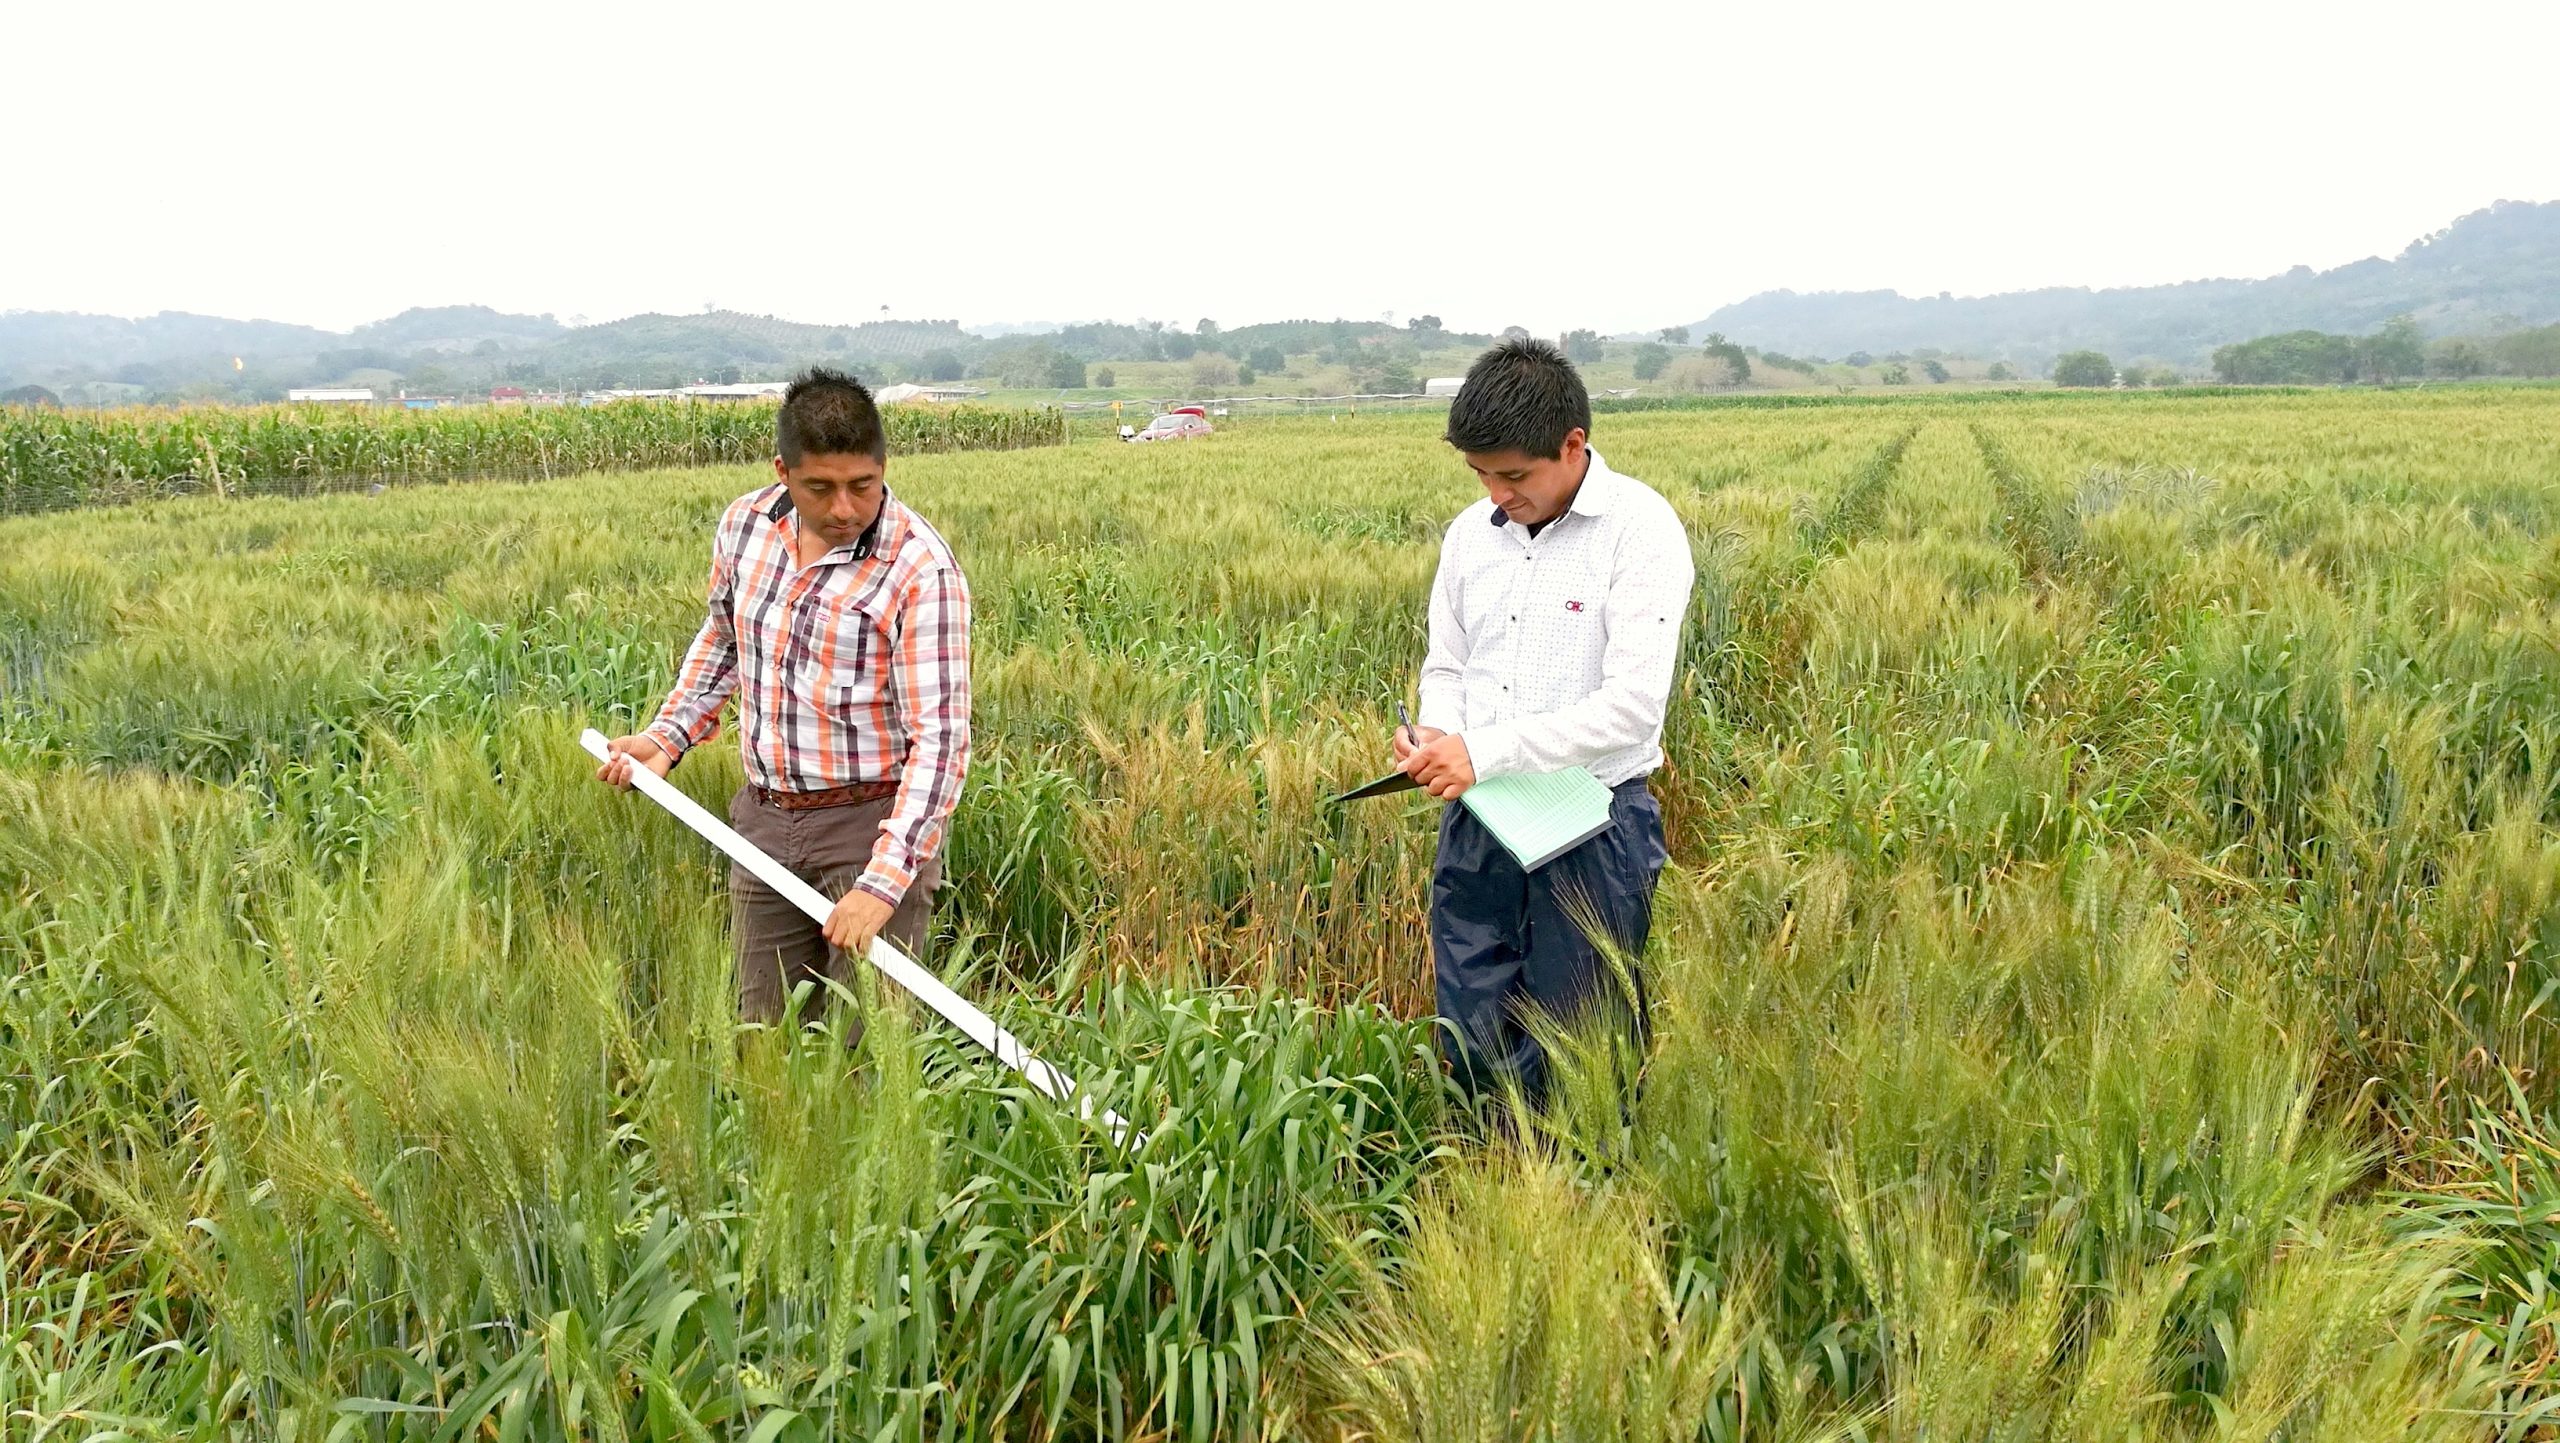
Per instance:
(1539,818)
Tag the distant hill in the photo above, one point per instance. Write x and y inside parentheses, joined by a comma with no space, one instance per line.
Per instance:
(438,349)
(2492,270)
(456,328)
(34,341)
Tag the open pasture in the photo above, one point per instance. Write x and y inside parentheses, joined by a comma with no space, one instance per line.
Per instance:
(2104,990)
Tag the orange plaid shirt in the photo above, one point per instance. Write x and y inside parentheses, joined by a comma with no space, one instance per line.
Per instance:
(852,669)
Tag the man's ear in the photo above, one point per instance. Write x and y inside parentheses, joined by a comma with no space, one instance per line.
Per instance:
(781,472)
(1575,441)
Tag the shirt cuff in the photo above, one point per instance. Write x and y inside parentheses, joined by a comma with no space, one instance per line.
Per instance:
(1494,750)
(670,738)
(885,882)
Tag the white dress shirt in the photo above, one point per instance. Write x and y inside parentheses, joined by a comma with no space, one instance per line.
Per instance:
(1555,650)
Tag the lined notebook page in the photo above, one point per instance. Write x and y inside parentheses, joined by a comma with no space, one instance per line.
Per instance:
(1538,817)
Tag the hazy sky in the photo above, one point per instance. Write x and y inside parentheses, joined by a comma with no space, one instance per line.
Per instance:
(1595,164)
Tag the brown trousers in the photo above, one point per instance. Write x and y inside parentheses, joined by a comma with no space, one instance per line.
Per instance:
(778,945)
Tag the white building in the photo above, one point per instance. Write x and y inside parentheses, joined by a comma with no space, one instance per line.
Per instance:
(1443,385)
(739,391)
(332,395)
(909,391)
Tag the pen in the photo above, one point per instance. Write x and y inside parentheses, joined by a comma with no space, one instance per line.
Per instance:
(1404,721)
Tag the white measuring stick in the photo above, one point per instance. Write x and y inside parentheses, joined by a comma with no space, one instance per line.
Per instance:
(959,1011)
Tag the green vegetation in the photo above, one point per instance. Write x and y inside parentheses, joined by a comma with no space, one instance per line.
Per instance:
(52,459)
(2101,992)
(2396,352)
(2084,368)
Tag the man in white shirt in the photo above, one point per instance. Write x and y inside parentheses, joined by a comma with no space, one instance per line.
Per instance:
(1555,624)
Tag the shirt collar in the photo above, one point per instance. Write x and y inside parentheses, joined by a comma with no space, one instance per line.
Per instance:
(1599,489)
(1594,497)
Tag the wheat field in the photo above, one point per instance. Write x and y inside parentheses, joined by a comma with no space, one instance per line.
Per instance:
(2104,987)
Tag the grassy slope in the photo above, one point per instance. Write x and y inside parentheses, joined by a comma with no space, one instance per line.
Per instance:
(2116,858)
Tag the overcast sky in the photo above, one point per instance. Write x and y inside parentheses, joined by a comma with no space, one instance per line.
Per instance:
(1606,165)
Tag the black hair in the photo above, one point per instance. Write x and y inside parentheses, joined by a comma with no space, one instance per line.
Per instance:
(1520,396)
(828,413)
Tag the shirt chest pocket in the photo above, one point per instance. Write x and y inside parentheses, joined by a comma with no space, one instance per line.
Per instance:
(844,654)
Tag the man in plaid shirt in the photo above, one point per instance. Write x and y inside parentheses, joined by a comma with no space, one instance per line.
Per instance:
(840,622)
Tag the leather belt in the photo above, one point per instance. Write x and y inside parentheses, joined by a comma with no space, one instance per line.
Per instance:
(831,797)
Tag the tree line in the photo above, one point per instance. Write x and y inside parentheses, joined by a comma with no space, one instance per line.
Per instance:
(2398,351)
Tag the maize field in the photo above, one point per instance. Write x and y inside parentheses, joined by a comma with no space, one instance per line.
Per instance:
(2102,991)
(55,459)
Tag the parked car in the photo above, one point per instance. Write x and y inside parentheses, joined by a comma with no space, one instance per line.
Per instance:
(1177,426)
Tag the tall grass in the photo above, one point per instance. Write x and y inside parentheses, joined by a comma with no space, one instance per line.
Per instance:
(2104,989)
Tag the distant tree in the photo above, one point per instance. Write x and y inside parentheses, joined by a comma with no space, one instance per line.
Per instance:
(2295,358)
(1729,353)
(2000,372)
(1066,372)
(1267,357)
(1206,330)
(1209,371)
(1104,377)
(2084,368)
(1859,359)
(1026,365)
(940,366)
(1582,347)
(31,395)
(2529,353)
(1423,323)
(2398,349)
(1674,335)
(1650,359)
(2458,357)
(1176,346)
(1244,375)
(1895,374)
(834,343)
(1935,371)
(1700,373)
(1515,333)
(1395,378)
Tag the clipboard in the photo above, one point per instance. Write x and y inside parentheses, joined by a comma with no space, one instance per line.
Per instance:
(1390,783)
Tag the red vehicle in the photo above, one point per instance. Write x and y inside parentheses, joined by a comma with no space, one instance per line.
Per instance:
(1175,426)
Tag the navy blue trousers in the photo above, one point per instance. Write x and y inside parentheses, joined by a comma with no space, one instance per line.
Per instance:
(1505,941)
